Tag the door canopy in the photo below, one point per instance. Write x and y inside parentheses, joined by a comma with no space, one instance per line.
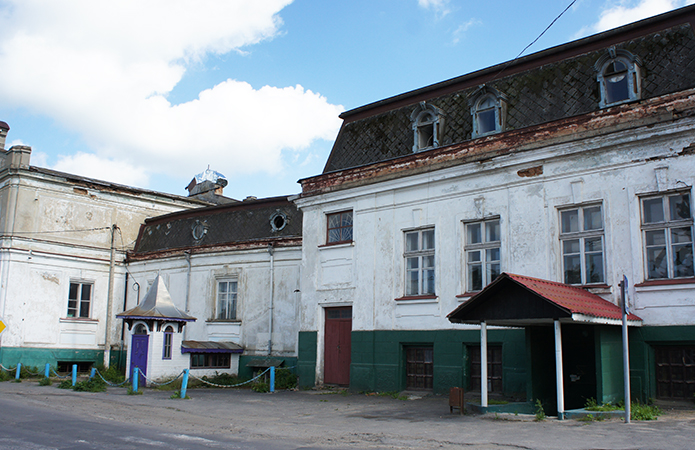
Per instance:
(517,301)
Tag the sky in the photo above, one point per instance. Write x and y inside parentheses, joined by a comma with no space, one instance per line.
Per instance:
(149,93)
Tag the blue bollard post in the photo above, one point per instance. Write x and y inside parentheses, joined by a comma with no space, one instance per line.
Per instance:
(272,378)
(136,379)
(47,371)
(74,374)
(184,383)
(19,369)
(92,373)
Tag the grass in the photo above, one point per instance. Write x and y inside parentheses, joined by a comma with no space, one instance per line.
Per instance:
(592,405)
(393,394)
(639,411)
(45,381)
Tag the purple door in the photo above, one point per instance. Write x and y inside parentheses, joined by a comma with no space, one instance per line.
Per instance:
(138,356)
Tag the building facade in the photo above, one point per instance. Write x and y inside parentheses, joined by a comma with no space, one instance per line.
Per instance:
(63,239)
(573,165)
(235,268)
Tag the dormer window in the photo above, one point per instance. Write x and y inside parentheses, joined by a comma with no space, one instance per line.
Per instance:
(426,126)
(619,77)
(489,111)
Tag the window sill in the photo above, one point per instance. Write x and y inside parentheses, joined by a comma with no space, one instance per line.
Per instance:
(467,295)
(77,320)
(223,321)
(411,298)
(337,244)
(666,282)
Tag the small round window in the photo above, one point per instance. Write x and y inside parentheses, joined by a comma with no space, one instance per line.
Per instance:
(199,230)
(278,221)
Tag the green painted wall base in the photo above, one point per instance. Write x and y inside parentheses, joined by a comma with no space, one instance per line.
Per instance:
(28,356)
(378,358)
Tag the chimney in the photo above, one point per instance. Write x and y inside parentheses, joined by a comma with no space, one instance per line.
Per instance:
(4,128)
(208,186)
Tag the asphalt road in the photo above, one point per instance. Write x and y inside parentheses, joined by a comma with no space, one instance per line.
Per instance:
(38,428)
(45,417)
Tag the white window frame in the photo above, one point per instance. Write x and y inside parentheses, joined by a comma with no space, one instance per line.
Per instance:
(168,342)
(585,236)
(76,310)
(669,226)
(420,262)
(224,296)
(488,100)
(481,254)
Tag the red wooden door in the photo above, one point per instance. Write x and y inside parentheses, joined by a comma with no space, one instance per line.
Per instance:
(337,346)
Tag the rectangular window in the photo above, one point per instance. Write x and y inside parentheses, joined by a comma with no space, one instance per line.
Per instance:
(226,299)
(210,361)
(79,299)
(581,240)
(419,262)
(339,227)
(667,224)
(483,256)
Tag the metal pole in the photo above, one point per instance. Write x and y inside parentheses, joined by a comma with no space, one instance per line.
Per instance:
(74,374)
(272,378)
(558,371)
(270,310)
(184,383)
(483,364)
(92,373)
(136,379)
(109,299)
(19,369)
(626,349)
(47,370)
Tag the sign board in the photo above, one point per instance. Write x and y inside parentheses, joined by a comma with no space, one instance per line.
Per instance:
(2,326)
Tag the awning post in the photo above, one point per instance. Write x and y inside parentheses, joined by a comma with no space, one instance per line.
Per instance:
(558,371)
(483,364)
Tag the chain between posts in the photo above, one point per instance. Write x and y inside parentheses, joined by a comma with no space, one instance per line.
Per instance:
(231,385)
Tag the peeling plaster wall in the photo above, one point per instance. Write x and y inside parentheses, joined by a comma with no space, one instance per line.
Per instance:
(41,252)
(251,268)
(613,169)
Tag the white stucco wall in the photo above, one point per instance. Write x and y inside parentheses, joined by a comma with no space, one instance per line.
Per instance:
(614,170)
(251,269)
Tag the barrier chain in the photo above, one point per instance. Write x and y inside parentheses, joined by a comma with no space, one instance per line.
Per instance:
(110,383)
(162,384)
(231,385)
(58,375)
(6,369)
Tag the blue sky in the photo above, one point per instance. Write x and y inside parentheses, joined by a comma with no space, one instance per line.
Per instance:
(149,93)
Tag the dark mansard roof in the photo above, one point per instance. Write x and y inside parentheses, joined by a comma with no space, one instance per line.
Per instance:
(251,223)
(550,85)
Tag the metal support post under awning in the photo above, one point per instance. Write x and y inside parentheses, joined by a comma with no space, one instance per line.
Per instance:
(558,371)
(483,364)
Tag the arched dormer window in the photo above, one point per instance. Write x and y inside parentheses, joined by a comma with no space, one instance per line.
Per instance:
(489,111)
(426,123)
(619,77)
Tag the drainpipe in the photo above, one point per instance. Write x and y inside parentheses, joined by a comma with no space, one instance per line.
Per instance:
(272,289)
(109,300)
(187,255)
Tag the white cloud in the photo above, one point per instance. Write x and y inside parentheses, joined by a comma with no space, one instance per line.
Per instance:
(461,30)
(93,166)
(624,12)
(440,7)
(104,70)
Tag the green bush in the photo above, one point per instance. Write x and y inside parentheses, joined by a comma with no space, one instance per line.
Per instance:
(285,379)
(45,381)
(224,379)
(112,375)
(644,412)
(65,384)
(95,384)
(592,405)
(260,386)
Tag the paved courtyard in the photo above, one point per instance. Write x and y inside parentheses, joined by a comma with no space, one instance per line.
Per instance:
(335,419)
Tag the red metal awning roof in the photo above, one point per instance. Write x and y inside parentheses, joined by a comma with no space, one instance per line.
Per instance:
(520,300)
